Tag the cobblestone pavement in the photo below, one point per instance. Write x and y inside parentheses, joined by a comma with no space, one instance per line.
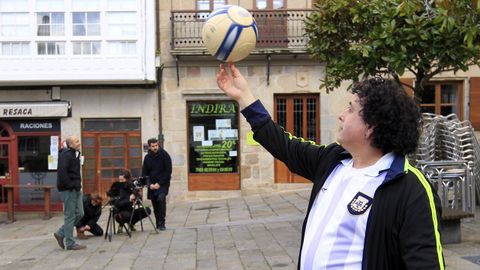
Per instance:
(252,232)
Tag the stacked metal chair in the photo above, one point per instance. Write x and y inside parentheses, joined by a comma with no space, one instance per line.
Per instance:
(449,156)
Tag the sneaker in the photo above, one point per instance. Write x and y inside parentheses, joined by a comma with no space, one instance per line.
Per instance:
(59,240)
(162,228)
(76,247)
(132,228)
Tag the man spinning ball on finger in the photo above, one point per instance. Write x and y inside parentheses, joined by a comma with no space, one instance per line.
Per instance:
(369,208)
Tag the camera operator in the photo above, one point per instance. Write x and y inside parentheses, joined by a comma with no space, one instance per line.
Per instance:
(123,194)
(157,165)
(92,208)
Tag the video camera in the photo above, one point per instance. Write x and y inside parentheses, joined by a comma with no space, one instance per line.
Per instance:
(138,184)
(141,181)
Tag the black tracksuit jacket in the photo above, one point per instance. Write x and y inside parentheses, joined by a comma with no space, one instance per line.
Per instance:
(68,173)
(403,225)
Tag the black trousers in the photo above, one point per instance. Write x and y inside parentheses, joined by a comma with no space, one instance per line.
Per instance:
(95,229)
(160,208)
(123,217)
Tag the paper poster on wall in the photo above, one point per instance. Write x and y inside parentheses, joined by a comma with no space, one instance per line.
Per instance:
(198,133)
(222,134)
(223,123)
(207,143)
(52,162)
(54,145)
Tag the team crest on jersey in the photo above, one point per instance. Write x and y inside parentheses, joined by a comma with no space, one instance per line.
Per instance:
(359,204)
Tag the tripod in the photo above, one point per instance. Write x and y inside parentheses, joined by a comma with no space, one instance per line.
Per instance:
(138,204)
(110,230)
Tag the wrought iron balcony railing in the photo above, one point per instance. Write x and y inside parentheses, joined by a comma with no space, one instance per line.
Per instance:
(280,31)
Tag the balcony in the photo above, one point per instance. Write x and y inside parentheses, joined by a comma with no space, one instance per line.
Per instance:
(280,32)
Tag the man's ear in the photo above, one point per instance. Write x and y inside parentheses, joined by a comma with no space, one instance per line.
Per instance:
(369,132)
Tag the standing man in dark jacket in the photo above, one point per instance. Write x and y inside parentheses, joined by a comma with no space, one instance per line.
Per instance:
(157,166)
(92,208)
(69,184)
(369,208)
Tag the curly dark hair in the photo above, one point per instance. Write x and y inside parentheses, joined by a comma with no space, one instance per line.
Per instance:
(394,116)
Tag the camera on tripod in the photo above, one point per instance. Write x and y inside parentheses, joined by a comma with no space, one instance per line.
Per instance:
(139,183)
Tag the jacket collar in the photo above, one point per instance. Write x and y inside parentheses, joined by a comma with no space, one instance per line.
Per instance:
(399,166)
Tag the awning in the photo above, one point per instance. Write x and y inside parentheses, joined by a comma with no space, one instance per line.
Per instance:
(35,109)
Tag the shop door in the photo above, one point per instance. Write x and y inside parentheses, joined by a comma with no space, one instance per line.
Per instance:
(298,115)
(7,160)
(106,154)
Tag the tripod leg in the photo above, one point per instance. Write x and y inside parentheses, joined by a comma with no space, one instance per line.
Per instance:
(131,215)
(149,218)
(140,205)
(126,230)
(108,223)
(113,224)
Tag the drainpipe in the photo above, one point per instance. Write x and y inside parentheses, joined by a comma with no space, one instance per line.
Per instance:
(159,96)
(159,72)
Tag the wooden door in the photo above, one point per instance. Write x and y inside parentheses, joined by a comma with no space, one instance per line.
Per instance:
(8,160)
(106,155)
(298,115)
(271,18)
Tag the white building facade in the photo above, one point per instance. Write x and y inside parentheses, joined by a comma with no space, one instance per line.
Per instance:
(75,67)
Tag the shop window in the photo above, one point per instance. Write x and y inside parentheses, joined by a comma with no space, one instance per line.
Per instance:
(213,136)
(37,165)
(33,152)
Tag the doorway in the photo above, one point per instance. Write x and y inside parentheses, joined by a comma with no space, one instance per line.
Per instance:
(298,115)
(8,157)
(109,146)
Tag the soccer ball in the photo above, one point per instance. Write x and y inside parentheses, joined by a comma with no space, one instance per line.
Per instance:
(230,33)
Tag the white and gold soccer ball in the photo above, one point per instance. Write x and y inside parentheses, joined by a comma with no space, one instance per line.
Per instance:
(230,33)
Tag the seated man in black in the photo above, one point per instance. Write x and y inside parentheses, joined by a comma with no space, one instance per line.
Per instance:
(124,197)
(92,207)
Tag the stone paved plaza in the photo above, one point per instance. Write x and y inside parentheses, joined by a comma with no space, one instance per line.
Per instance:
(252,232)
